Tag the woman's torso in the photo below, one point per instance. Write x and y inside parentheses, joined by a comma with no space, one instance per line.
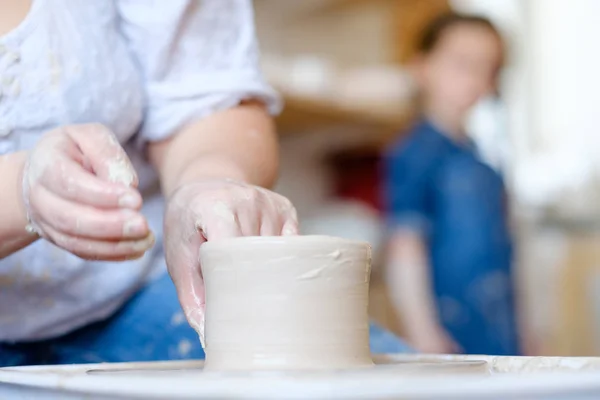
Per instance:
(66,63)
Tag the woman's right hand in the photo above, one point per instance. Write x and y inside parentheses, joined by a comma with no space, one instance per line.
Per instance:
(79,191)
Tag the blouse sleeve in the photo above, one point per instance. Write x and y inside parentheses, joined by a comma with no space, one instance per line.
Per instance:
(195,57)
(406,187)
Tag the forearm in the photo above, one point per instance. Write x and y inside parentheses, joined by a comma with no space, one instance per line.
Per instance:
(409,280)
(239,143)
(13,218)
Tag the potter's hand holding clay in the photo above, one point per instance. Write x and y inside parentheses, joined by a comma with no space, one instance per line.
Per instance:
(214,209)
(79,193)
(213,172)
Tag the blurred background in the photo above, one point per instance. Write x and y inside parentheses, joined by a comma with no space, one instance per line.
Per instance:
(342,67)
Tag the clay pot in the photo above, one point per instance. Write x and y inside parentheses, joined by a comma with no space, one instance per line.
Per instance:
(297,302)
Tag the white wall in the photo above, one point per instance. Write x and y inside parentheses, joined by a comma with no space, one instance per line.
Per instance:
(565,64)
(551,90)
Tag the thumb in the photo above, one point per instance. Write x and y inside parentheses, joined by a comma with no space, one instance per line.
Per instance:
(184,268)
(103,152)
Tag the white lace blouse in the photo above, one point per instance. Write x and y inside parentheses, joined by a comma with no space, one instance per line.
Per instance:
(141,67)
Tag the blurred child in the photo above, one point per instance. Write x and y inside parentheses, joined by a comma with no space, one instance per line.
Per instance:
(450,250)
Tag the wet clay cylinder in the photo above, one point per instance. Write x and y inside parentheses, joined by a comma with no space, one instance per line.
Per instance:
(296,302)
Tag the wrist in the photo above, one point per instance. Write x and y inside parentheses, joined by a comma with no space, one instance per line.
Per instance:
(13,214)
(17,163)
(207,168)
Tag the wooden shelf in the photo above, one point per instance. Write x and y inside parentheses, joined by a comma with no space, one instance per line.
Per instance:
(409,18)
(305,113)
(332,6)
(309,113)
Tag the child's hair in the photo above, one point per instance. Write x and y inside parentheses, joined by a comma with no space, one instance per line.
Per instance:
(435,30)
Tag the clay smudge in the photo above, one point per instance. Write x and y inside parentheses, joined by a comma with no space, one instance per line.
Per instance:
(119,171)
(312,274)
(113,141)
(335,255)
(223,211)
(35,170)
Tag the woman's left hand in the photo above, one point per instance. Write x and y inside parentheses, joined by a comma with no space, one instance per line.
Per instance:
(212,210)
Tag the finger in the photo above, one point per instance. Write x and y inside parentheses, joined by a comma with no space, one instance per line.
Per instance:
(249,223)
(104,153)
(90,249)
(182,261)
(270,225)
(290,228)
(218,229)
(269,207)
(219,221)
(279,219)
(73,182)
(87,222)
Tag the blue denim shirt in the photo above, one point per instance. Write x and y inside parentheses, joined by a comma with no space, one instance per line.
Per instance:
(442,190)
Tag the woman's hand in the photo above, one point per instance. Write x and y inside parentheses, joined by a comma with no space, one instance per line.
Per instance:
(211,210)
(79,191)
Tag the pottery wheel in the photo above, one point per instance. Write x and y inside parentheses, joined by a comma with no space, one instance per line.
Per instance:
(390,378)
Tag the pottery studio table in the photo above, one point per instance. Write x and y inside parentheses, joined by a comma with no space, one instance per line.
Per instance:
(393,377)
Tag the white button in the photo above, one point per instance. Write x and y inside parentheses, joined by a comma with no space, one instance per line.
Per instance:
(13,57)
(7,80)
(15,90)
(4,130)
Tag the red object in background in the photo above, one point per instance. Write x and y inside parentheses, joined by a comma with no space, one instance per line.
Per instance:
(358,177)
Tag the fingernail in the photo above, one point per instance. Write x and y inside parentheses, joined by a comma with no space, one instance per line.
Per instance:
(290,230)
(134,257)
(134,226)
(129,200)
(145,244)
